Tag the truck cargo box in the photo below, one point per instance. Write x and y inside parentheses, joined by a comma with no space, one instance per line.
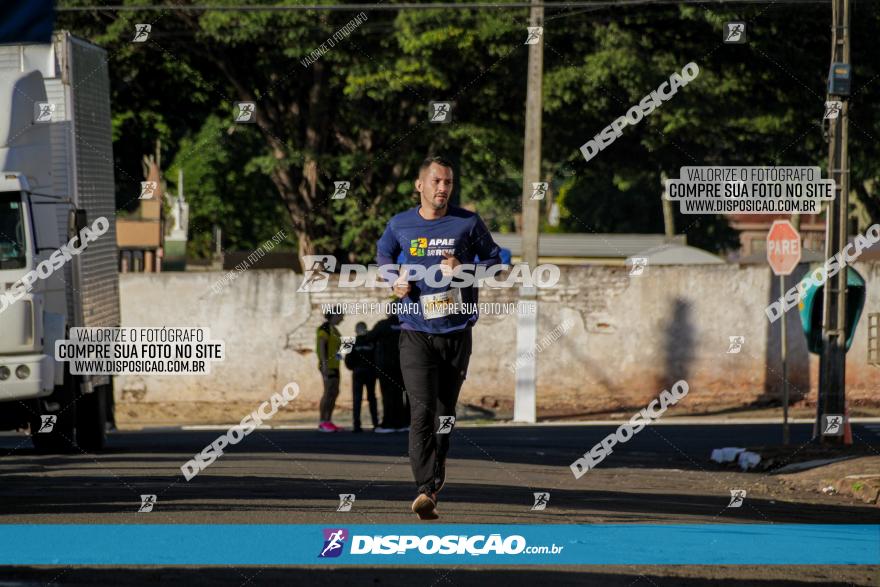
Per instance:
(77,83)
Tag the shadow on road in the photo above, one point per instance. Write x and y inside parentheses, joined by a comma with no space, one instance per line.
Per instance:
(312,491)
(302,471)
(408,576)
(655,447)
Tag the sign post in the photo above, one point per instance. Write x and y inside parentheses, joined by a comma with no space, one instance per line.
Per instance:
(783,255)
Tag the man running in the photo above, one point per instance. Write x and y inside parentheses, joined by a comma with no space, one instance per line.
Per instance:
(435,340)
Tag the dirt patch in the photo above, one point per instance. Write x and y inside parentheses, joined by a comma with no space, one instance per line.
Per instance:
(564,412)
(775,458)
(133,415)
(858,478)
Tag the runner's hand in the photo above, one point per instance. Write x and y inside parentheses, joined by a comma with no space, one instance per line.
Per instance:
(401,287)
(448,265)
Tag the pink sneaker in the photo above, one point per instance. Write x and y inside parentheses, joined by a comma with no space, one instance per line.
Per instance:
(336,428)
(327,427)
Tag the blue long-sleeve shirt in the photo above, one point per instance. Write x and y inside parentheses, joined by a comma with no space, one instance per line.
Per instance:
(423,242)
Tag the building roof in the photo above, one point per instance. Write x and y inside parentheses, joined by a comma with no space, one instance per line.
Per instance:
(760,258)
(870,254)
(764,221)
(675,254)
(587,245)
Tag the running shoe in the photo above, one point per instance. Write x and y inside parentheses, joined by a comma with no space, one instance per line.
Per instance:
(425,506)
(327,427)
(383,430)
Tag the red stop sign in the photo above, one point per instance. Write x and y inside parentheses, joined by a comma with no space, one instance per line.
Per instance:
(783,247)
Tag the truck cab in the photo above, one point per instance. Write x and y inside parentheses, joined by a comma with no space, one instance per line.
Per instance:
(56,175)
(27,370)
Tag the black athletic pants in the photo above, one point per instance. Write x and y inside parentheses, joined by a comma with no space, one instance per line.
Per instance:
(434,367)
(361,380)
(393,415)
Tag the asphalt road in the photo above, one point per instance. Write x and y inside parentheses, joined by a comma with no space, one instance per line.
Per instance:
(661,475)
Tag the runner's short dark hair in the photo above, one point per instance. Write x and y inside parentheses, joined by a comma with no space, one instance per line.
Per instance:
(438,159)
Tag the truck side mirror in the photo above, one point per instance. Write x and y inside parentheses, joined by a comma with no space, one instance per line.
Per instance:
(76,221)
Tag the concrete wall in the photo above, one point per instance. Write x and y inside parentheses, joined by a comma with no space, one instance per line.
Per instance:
(630,336)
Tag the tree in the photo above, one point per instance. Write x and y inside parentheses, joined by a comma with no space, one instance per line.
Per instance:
(356,110)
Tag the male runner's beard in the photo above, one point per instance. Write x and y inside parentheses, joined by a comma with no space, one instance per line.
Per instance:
(439,202)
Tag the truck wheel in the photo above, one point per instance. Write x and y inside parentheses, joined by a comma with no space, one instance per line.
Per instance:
(57,434)
(91,418)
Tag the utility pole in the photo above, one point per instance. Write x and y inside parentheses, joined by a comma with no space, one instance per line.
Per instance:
(532,151)
(668,218)
(524,407)
(832,363)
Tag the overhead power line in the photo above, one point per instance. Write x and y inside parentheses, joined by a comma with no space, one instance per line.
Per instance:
(417,6)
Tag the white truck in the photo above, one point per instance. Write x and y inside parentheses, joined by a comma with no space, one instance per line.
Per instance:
(56,179)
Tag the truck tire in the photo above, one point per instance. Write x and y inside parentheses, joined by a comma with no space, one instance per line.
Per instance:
(61,404)
(91,418)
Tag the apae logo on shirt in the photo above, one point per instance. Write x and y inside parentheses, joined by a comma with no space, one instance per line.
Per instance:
(435,247)
(418,246)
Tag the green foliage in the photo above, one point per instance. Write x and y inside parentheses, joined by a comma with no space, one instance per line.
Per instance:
(359,113)
(223,190)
